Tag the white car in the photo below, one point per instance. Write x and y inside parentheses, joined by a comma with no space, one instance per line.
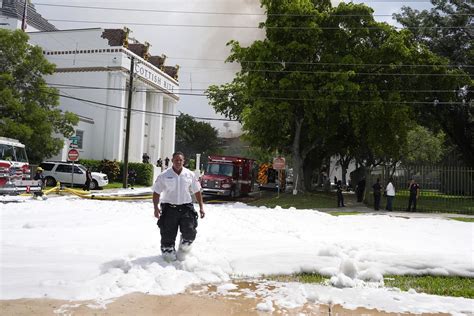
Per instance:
(55,171)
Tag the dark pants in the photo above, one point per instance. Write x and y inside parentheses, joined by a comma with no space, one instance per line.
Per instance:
(377,201)
(87,185)
(340,199)
(412,200)
(389,203)
(173,216)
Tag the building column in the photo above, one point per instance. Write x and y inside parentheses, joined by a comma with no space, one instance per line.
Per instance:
(156,122)
(114,118)
(137,124)
(169,128)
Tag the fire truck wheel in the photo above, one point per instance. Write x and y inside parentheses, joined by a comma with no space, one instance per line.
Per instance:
(50,181)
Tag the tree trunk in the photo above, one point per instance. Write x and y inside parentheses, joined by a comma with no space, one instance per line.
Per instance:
(298,175)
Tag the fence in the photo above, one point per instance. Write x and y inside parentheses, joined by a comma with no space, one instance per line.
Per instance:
(442,188)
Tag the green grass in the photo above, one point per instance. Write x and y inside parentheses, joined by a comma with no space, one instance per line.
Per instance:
(436,285)
(300,201)
(463,219)
(344,213)
(430,201)
(118,185)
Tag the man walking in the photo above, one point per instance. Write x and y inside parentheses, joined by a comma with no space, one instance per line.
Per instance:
(414,189)
(173,189)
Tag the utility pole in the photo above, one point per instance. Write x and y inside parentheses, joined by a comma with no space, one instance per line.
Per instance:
(127,130)
(23,20)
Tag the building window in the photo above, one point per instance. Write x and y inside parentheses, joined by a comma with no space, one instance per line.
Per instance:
(80,138)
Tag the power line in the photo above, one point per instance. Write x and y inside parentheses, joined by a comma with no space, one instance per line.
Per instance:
(212,12)
(68,86)
(275,99)
(135,110)
(285,63)
(253,27)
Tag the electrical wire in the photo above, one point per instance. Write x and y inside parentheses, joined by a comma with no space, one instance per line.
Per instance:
(252,27)
(278,99)
(215,13)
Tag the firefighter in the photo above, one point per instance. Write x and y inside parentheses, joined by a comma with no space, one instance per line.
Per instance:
(39,176)
(173,189)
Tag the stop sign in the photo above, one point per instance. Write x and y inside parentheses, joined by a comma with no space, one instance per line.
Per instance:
(72,155)
(279,163)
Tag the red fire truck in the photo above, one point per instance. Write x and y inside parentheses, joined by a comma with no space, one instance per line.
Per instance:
(229,176)
(14,168)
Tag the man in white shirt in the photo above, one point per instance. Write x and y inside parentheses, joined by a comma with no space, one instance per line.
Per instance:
(390,192)
(173,189)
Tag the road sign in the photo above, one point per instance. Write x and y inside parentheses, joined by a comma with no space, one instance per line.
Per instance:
(279,163)
(74,140)
(72,155)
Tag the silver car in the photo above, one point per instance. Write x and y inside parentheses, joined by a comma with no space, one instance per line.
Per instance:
(55,171)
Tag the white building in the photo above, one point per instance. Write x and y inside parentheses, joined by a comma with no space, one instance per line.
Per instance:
(94,65)
(92,76)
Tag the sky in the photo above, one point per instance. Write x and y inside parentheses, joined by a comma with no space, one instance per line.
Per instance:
(200,52)
(77,249)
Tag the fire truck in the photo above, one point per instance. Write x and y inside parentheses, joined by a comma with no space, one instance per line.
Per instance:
(271,179)
(14,169)
(229,176)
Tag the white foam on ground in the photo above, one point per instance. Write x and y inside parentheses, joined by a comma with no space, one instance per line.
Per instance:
(69,248)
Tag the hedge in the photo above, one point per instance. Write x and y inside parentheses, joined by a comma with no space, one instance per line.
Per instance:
(144,170)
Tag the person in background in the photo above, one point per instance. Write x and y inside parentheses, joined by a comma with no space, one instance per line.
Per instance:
(390,192)
(377,187)
(360,190)
(145,158)
(173,188)
(39,176)
(340,198)
(167,162)
(159,163)
(132,177)
(414,189)
(87,184)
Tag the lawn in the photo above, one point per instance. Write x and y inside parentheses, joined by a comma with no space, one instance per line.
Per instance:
(436,285)
(430,201)
(306,200)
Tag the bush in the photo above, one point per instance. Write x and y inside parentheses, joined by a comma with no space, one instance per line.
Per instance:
(144,172)
(93,164)
(111,168)
(114,170)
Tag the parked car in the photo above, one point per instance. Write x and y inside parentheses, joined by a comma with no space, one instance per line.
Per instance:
(55,171)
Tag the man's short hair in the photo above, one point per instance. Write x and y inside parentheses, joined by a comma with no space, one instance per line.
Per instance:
(177,153)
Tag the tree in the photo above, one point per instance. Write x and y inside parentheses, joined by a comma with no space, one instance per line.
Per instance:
(193,137)
(423,146)
(447,30)
(28,106)
(321,68)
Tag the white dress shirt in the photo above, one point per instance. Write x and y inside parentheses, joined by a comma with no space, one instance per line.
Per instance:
(176,189)
(390,189)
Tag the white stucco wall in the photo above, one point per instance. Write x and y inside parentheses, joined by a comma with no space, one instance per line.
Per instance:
(84,59)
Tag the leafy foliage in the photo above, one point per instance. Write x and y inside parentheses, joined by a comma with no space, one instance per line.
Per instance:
(27,105)
(447,30)
(424,147)
(330,80)
(193,137)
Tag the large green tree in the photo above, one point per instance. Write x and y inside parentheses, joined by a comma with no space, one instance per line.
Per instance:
(447,29)
(28,107)
(194,137)
(325,80)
